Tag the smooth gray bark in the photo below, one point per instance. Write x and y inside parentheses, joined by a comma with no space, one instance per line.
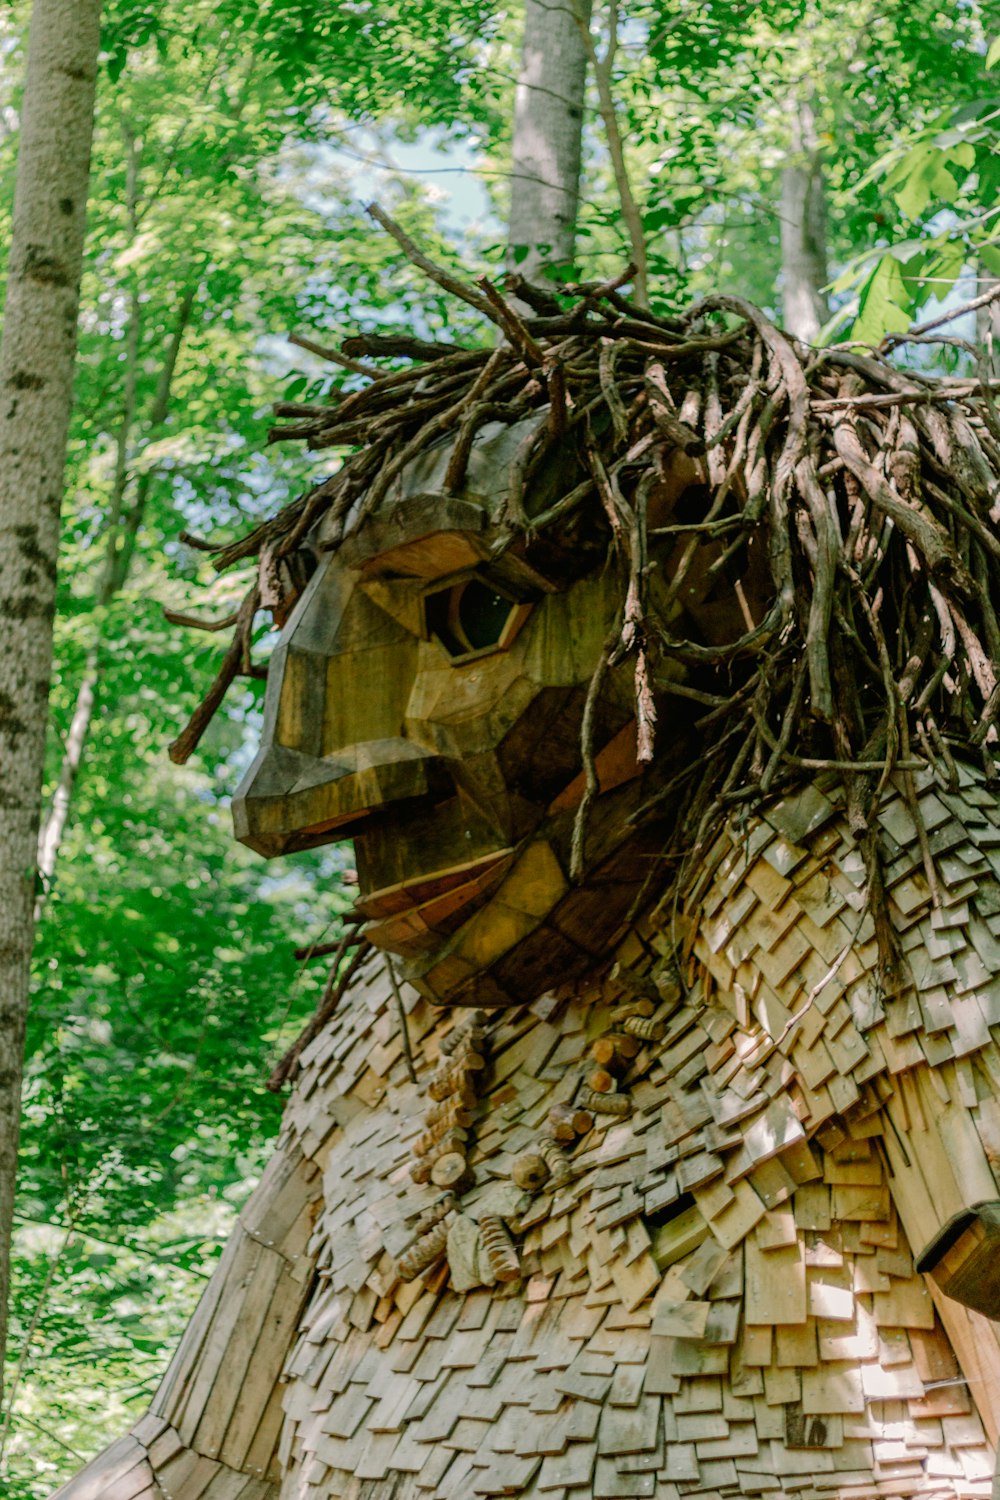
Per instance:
(803,231)
(547,143)
(36,385)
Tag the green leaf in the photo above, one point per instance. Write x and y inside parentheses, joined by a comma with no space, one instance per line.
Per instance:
(912,162)
(884,305)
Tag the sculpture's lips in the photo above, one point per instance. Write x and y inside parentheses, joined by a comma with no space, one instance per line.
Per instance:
(419,889)
(413,915)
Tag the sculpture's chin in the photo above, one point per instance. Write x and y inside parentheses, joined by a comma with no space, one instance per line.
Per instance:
(534,930)
(507,923)
(417,915)
(457,925)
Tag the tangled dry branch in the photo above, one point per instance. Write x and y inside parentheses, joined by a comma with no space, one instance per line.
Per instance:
(873,491)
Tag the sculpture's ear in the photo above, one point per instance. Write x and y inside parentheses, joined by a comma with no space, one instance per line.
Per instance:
(963,1258)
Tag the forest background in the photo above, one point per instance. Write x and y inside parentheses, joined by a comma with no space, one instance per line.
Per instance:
(835,160)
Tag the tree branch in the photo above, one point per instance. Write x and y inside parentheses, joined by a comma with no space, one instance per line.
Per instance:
(606,102)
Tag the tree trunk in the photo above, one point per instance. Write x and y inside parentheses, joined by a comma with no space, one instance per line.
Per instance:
(604,78)
(803,231)
(548,123)
(122,528)
(36,387)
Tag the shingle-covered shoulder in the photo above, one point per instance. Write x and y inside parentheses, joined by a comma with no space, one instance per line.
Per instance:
(641,1238)
(782,932)
(652,1235)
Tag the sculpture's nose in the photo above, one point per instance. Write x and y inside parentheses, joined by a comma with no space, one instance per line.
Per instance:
(333,751)
(291,801)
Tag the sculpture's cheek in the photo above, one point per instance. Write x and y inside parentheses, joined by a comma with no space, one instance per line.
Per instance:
(458,711)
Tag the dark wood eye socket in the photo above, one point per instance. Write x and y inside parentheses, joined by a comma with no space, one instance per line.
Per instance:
(480,614)
(469,617)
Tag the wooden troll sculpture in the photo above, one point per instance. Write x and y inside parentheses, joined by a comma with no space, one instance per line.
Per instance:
(616,1183)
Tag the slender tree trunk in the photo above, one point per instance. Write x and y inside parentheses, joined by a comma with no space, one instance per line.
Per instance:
(54,822)
(803,231)
(123,526)
(547,145)
(604,78)
(36,387)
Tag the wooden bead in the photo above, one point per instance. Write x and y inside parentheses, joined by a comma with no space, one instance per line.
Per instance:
(604,1051)
(456,1112)
(454,1078)
(567,1121)
(473,1023)
(556,1162)
(530,1171)
(434,1214)
(561,1122)
(470,1051)
(426,1250)
(644,1027)
(424,1144)
(616,1050)
(451,1140)
(668,985)
(605,1104)
(449,1169)
(459,1091)
(643,1008)
(499,1248)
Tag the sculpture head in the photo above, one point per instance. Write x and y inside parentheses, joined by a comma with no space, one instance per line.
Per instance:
(427,700)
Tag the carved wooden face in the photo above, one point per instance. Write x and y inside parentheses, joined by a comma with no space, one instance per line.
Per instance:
(426,700)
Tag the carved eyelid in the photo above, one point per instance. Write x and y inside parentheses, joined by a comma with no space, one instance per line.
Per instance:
(406,599)
(428,537)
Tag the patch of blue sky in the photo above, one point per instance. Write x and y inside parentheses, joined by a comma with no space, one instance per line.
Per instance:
(370,164)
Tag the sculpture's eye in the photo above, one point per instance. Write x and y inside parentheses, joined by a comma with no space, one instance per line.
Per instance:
(472,618)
